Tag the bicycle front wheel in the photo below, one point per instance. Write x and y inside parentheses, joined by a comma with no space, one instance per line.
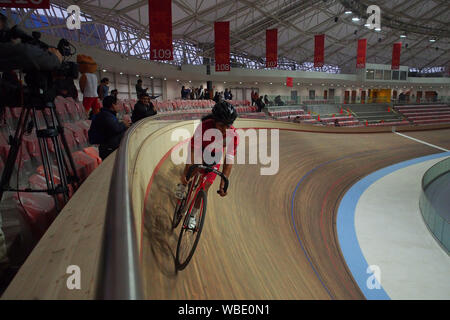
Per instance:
(188,239)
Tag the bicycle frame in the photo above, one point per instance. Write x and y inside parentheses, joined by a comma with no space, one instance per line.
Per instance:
(202,180)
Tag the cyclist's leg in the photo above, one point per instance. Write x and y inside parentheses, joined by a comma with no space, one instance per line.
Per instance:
(210,177)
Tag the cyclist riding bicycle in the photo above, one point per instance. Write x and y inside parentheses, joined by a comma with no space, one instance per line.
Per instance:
(222,117)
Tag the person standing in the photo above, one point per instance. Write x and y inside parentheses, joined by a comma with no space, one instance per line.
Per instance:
(226,94)
(103,89)
(88,83)
(139,89)
(115,93)
(143,108)
(106,130)
(201,93)
(260,104)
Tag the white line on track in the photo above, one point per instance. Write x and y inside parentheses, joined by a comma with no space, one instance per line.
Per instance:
(420,141)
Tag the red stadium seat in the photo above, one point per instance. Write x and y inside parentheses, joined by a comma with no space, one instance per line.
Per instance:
(84,164)
(93,153)
(38,210)
(77,132)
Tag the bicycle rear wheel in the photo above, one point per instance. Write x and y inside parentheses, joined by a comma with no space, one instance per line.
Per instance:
(188,239)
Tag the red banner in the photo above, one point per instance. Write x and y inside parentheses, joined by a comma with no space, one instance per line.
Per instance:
(35,4)
(361,56)
(272,48)
(160,17)
(222,45)
(319,50)
(396,50)
(289,82)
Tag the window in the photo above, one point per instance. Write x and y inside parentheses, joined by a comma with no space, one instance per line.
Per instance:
(387,74)
(370,73)
(378,74)
(395,75)
(331,94)
(403,75)
(312,94)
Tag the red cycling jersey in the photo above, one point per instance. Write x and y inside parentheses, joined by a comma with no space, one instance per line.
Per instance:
(230,142)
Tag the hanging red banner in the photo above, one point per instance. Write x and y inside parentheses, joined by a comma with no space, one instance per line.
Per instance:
(396,50)
(35,4)
(160,23)
(361,55)
(319,50)
(222,45)
(289,82)
(272,48)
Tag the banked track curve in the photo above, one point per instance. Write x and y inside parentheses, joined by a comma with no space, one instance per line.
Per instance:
(272,237)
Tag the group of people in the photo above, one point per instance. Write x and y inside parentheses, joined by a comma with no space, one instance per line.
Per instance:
(107,130)
(259,101)
(195,93)
(219,96)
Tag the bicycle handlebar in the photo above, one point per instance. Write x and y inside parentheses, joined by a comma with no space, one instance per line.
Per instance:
(208,169)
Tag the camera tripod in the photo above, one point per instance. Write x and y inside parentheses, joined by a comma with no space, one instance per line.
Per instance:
(52,130)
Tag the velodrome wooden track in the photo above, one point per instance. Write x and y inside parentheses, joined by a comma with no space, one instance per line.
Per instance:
(261,243)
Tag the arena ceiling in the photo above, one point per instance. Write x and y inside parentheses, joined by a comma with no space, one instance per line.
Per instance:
(297,22)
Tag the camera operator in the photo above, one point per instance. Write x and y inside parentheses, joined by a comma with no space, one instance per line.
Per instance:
(17,55)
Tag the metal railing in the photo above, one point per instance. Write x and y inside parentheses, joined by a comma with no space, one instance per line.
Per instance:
(120,276)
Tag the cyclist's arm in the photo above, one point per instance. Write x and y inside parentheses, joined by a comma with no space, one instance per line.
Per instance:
(226,172)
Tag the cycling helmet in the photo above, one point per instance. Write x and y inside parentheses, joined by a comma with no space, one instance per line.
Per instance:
(224,112)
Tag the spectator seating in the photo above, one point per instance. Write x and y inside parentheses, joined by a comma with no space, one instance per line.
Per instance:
(389,123)
(286,113)
(425,114)
(38,209)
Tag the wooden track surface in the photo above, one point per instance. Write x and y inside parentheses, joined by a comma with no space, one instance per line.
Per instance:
(438,137)
(254,246)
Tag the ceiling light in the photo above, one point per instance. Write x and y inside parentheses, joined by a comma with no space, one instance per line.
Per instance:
(256,82)
(432,40)
(165,79)
(137,75)
(224,82)
(403,36)
(190,81)
(378,29)
(104,70)
(355,19)
(367,25)
(298,84)
(348,12)
(120,73)
(240,82)
(151,77)
(271,83)
(178,80)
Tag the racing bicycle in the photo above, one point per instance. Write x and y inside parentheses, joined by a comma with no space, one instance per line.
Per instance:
(188,238)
